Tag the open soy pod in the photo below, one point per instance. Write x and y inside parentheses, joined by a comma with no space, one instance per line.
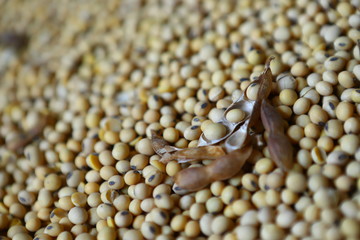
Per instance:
(238,138)
(241,103)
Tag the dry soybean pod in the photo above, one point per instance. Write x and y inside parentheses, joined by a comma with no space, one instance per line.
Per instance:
(193,179)
(222,168)
(279,144)
(238,138)
(270,118)
(227,166)
(265,81)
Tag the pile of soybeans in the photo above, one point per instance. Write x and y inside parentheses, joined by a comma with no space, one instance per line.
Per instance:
(83,83)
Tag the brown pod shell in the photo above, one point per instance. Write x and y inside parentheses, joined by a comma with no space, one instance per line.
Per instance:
(279,144)
(193,179)
(281,150)
(270,118)
(227,166)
